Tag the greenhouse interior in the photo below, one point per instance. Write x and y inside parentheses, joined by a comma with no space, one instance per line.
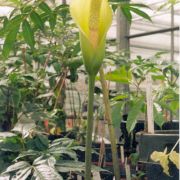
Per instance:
(89,89)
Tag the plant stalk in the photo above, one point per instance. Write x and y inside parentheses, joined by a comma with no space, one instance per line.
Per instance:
(88,155)
(110,126)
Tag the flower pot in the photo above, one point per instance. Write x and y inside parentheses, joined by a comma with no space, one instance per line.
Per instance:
(148,143)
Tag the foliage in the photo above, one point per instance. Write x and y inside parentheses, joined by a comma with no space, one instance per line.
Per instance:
(40,53)
(40,159)
(128,9)
(132,72)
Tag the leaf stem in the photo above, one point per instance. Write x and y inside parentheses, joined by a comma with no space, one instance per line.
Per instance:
(88,156)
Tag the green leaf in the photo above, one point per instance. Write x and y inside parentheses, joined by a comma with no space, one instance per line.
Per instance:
(139,5)
(133,114)
(126,13)
(140,13)
(120,75)
(13,24)
(28,34)
(9,42)
(117,113)
(43,6)
(52,21)
(41,142)
(158,118)
(16,2)
(16,97)
(120,97)
(11,144)
(36,18)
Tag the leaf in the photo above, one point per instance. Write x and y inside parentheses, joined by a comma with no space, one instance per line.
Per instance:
(139,5)
(12,24)
(22,174)
(140,13)
(133,114)
(17,166)
(117,113)
(121,75)
(52,21)
(9,42)
(162,158)
(174,157)
(63,151)
(36,18)
(16,2)
(16,98)
(120,97)
(41,142)
(28,34)
(126,13)
(158,118)
(43,6)
(11,144)
(74,166)
(45,172)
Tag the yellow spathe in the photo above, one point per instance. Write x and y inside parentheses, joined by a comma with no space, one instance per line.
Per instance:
(93,18)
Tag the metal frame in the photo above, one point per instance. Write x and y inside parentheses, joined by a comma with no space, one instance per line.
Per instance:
(172,29)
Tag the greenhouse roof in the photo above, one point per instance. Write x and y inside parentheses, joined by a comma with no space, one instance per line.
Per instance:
(146,46)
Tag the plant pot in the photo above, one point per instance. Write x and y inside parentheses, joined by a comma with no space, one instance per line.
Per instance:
(154,171)
(148,143)
(156,142)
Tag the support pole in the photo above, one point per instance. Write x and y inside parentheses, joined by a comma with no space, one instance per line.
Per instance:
(122,32)
(172,47)
(149,100)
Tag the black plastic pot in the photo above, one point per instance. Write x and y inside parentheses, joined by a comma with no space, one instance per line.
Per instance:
(148,143)
(156,142)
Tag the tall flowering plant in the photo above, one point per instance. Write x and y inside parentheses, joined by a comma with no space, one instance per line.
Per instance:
(93,18)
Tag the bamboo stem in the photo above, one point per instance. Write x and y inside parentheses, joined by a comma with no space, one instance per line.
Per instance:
(110,126)
(88,156)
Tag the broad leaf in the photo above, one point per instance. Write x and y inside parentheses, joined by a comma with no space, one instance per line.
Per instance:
(158,118)
(133,114)
(117,113)
(120,75)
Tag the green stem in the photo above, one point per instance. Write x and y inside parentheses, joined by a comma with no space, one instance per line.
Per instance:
(110,126)
(88,155)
